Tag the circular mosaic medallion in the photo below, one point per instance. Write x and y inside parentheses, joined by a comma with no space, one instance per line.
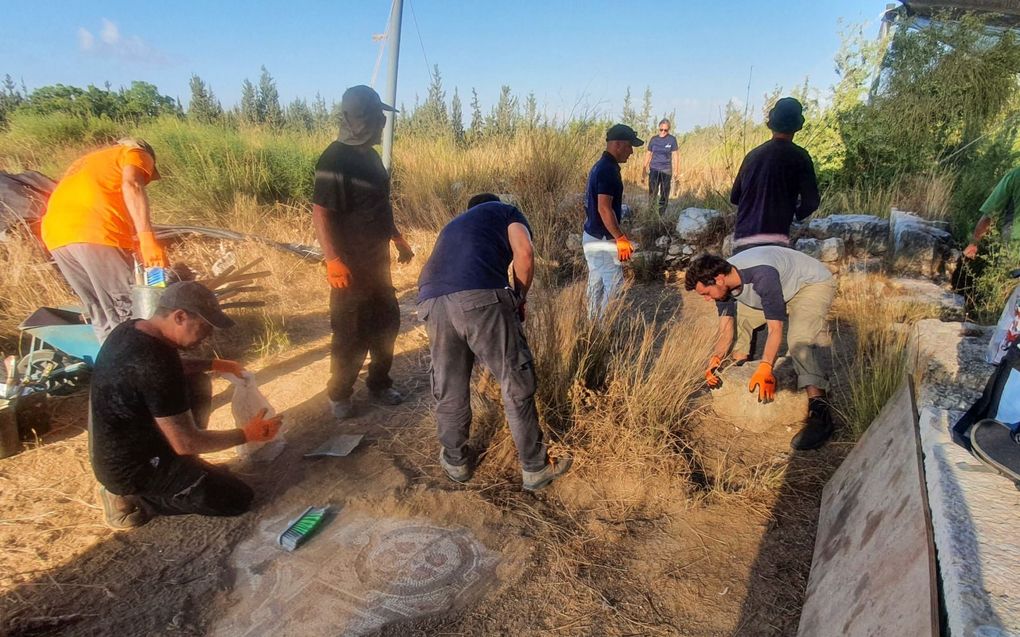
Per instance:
(413,560)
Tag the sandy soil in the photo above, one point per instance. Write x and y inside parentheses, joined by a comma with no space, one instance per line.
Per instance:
(731,558)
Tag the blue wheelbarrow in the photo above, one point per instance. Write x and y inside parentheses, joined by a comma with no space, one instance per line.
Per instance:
(63,348)
(62,351)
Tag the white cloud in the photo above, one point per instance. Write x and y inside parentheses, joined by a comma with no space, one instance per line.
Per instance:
(110,34)
(112,44)
(86,41)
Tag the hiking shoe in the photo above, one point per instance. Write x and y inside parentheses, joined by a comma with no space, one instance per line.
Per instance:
(817,429)
(121,511)
(554,468)
(388,396)
(343,408)
(457,473)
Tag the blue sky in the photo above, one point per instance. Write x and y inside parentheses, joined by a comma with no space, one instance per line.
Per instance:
(577,57)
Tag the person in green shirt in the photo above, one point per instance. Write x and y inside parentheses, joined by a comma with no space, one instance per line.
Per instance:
(1002,203)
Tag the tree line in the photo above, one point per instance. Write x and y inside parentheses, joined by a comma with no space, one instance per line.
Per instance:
(941,98)
(508,116)
(260,105)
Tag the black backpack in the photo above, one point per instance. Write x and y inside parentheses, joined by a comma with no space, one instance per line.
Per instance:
(990,429)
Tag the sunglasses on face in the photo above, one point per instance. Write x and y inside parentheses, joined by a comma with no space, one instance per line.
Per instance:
(663,130)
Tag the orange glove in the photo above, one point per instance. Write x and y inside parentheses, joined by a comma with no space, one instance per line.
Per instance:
(623,248)
(152,252)
(222,366)
(710,377)
(337,273)
(404,251)
(765,382)
(261,429)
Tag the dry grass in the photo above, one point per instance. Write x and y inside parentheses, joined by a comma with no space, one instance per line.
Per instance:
(41,502)
(621,394)
(434,178)
(874,368)
(28,282)
(928,195)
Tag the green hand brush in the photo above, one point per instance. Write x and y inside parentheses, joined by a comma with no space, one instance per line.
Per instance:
(301,529)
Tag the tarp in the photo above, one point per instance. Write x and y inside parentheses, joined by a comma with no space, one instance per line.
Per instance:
(23,198)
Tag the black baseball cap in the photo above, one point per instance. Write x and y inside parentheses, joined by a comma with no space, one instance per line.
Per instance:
(359,101)
(623,133)
(195,298)
(787,116)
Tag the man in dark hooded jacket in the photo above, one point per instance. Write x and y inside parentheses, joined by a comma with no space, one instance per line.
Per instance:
(353,219)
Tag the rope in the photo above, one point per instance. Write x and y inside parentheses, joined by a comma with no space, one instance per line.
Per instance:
(420,42)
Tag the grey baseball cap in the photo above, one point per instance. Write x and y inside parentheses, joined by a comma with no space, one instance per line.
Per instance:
(359,101)
(141,144)
(195,298)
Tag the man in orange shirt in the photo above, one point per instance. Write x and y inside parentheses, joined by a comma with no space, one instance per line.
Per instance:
(92,221)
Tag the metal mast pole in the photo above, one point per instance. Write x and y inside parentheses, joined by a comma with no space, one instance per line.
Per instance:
(393,35)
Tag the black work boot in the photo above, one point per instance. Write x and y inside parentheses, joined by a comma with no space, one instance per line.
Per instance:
(817,427)
(121,511)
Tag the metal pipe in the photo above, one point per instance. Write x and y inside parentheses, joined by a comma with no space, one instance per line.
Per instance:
(393,35)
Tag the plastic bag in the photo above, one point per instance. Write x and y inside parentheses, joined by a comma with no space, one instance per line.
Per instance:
(248,401)
(1007,332)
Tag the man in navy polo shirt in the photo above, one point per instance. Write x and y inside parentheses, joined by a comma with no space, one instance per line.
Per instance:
(470,312)
(605,245)
(662,163)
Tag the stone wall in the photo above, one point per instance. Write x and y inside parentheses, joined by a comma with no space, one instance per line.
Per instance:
(904,245)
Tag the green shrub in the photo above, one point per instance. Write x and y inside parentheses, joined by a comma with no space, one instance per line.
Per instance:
(32,140)
(990,283)
(205,166)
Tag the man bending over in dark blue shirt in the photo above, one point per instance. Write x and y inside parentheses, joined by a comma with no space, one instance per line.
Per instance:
(471,313)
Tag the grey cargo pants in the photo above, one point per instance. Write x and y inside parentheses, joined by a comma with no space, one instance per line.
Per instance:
(101,276)
(481,324)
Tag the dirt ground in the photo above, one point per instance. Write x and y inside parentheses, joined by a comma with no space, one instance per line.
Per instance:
(730,559)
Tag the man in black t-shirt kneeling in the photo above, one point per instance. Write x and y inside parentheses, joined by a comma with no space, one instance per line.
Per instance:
(148,412)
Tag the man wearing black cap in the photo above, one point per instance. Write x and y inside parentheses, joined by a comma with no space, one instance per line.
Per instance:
(775,185)
(354,222)
(605,245)
(148,413)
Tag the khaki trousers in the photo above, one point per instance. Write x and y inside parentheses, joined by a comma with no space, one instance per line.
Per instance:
(806,317)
